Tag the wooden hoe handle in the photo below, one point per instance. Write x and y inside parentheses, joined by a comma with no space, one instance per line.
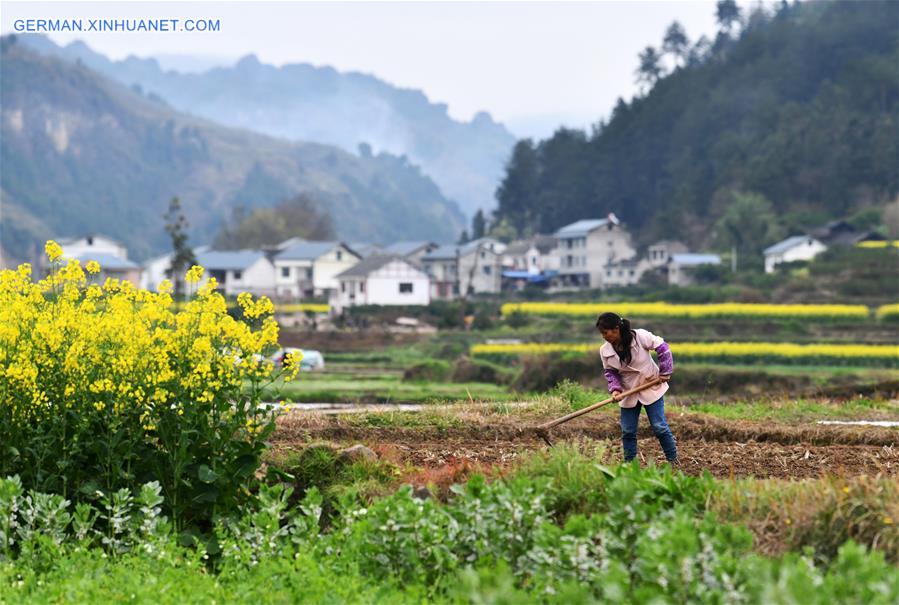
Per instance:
(590,408)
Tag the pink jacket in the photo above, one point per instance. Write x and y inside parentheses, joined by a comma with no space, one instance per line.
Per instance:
(640,370)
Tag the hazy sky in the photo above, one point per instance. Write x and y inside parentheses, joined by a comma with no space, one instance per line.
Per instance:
(530,64)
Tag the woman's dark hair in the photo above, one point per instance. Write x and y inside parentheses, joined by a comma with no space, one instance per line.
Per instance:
(610,321)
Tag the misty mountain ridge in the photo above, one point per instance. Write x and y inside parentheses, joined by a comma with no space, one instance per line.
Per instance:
(82,153)
(321,104)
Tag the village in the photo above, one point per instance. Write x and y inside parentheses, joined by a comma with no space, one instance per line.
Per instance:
(584,255)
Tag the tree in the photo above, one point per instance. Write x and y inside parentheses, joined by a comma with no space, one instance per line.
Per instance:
(464,239)
(299,216)
(182,256)
(650,69)
(748,225)
(727,14)
(676,42)
(478,225)
(517,193)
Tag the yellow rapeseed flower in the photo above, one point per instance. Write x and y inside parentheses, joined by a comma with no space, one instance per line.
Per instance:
(53,250)
(194,274)
(662,309)
(92,266)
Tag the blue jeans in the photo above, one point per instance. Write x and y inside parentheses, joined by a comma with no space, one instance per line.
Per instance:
(656,413)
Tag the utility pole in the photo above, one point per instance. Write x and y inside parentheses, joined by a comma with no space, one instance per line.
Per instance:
(733,259)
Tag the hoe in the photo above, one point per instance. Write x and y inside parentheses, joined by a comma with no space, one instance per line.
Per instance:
(543,430)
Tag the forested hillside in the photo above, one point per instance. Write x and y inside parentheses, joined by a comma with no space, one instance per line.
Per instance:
(81,154)
(792,112)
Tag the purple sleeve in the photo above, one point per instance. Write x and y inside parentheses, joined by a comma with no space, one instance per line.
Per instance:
(614,380)
(666,360)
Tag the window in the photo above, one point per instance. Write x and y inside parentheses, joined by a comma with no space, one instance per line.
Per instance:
(405,287)
(362,286)
(632,272)
(285,271)
(483,255)
(568,262)
(339,255)
(487,269)
(308,273)
(609,273)
(238,275)
(343,286)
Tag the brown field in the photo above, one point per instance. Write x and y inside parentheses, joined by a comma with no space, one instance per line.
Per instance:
(725,448)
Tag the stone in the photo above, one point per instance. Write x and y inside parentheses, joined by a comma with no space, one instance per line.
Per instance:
(356,453)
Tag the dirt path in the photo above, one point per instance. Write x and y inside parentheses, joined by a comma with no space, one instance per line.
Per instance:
(724,448)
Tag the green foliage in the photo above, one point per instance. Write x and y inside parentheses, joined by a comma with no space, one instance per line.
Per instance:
(755,113)
(299,216)
(431,370)
(563,528)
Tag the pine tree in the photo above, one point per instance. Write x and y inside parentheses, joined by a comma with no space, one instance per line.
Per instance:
(182,256)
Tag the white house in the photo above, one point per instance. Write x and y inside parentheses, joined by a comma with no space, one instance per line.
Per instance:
(381,280)
(308,269)
(795,248)
(239,271)
(110,254)
(626,272)
(442,267)
(76,247)
(659,253)
(587,246)
(159,268)
(681,265)
(533,255)
(472,268)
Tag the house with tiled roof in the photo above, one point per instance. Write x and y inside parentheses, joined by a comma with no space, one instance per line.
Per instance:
(309,269)
(381,280)
(585,247)
(239,271)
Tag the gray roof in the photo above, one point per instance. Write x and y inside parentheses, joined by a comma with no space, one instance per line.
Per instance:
(406,248)
(449,251)
(696,259)
(519,247)
(223,260)
(306,251)
(364,250)
(107,261)
(581,228)
(790,242)
(443,253)
(364,267)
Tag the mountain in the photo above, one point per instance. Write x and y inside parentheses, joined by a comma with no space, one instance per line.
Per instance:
(81,153)
(801,109)
(303,102)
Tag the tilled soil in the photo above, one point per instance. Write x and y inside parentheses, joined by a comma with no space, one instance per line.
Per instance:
(723,448)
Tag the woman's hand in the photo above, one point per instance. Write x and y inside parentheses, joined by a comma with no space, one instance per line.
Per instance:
(616,395)
(664,377)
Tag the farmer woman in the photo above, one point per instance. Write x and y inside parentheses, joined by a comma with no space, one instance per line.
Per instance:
(627,364)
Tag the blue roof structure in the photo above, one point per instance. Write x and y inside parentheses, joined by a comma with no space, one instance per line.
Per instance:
(581,228)
(790,242)
(696,259)
(306,251)
(405,248)
(223,260)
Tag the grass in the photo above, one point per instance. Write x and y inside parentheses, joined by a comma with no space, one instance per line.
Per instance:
(792,411)
(314,387)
